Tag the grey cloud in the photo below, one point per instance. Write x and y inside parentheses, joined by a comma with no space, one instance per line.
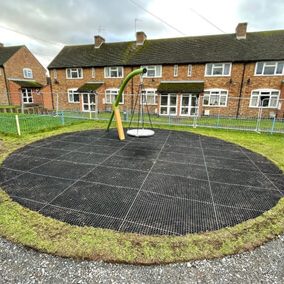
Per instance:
(262,14)
(74,21)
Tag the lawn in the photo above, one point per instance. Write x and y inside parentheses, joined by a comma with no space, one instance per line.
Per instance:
(24,226)
(32,123)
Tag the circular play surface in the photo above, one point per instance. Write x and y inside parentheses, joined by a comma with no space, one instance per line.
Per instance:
(172,183)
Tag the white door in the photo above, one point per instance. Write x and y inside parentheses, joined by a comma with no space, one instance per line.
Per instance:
(168,104)
(89,102)
(188,105)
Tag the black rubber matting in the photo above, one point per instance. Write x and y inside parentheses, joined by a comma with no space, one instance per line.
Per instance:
(173,183)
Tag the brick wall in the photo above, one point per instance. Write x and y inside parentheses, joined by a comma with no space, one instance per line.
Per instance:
(23,58)
(3,90)
(233,83)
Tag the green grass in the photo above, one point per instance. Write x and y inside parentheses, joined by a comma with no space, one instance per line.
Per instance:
(24,226)
(32,123)
(8,107)
(210,121)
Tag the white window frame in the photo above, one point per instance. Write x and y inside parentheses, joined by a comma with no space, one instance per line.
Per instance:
(108,72)
(111,94)
(216,66)
(70,96)
(154,68)
(168,106)
(150,93)
(215,92)
(27,94)
(175,70)
(28,73)
(54,74)
(189,107)
(93,75)
(74,73)
(258,93)
(269,64)
(189,70)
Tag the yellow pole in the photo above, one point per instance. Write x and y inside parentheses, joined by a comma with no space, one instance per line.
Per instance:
(118,123)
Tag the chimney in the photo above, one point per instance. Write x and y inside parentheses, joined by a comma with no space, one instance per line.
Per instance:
(241,31)
(99,41)
(140,38)
(1,44)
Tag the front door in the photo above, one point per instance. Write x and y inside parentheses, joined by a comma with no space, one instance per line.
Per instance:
(89,102)
(168,105)
(188,105)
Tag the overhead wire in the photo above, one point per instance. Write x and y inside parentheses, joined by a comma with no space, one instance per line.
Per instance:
(157,17)
(31,36)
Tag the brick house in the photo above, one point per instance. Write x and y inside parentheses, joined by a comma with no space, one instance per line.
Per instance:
(229,74)
(23,79)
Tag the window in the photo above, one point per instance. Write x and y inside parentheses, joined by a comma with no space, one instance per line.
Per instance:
(188,105)
(269,68)
(175,70)
(215,97)
(93,72)
(189,70)
(28,73)
(149,96)
(218,69)
(74,73)
(54,74)
(264,98)
(113,72)
(168,104)
(153,71)
(73,96)
(110,96)
(27,97)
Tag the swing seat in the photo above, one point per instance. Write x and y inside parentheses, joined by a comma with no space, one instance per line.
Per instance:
(140,132)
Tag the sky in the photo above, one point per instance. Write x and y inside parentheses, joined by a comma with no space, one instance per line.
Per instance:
(45,26)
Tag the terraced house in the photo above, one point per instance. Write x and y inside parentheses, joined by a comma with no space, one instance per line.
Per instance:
(23,79)
(228,74)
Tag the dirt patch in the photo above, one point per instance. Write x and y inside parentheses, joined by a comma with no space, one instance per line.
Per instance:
(3,149)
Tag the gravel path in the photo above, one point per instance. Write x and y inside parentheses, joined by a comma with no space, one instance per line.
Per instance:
(21,265)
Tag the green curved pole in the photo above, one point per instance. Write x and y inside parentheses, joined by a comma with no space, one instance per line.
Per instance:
(122,87)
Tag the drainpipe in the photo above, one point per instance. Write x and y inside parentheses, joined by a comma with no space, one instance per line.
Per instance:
(7,86)
(241,90)
(51,91)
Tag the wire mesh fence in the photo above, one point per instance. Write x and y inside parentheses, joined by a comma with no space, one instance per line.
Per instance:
(264,115)
(25,123)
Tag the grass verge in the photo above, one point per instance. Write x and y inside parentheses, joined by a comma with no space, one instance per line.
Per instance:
(31,229)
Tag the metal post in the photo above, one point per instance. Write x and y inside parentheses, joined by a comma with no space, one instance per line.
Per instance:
(218,118)
(18,125)
(62,118)
(57,102)
(273,125)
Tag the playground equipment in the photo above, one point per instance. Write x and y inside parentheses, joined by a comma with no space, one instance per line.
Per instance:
(140,103)
(140,99)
